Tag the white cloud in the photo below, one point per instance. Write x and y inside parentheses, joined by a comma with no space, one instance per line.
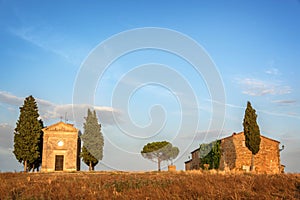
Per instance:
(255,87)
(9,162)
(77,112)
(6,135)
(272,71)
(10,99)
(73,112)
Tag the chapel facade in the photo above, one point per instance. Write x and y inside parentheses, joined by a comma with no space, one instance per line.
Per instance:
(61,148)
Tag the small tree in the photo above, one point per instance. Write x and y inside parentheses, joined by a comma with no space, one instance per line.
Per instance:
(160,151)
(93,142)
(251,132)
(28,135)
(173,153)
(210,154)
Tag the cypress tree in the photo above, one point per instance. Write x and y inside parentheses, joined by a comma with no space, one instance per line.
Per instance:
(251,132)
(38,162)
(27,135)
(93,142)
(88,158)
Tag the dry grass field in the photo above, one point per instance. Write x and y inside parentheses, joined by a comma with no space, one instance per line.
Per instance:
(148,185)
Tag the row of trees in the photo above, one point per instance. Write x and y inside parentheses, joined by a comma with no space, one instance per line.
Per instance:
(28,140)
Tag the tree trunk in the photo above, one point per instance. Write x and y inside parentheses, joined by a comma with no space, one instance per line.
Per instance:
(252,163)
(90,166)
(25,165)
(158,162)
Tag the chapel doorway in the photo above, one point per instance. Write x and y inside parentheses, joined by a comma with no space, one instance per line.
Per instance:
(59,163)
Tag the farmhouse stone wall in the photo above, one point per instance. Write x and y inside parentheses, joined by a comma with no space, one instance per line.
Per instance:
(187,165)
(61,139)
(194,162)
(236,156)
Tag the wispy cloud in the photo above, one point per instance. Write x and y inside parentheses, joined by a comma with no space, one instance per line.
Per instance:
(73,112)
(206,136)
(285,102)
(289,114)
(255,87)
(182,93)
(226,104)
(45,38)
(272,71)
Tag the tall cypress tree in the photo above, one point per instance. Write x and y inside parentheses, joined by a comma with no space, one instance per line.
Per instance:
(27,135)
(93,142)
(38,162)
(252,132)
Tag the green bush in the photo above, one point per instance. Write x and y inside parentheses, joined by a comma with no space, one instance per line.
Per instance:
(210,154)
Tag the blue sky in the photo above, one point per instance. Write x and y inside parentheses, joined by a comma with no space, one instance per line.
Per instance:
(255,46)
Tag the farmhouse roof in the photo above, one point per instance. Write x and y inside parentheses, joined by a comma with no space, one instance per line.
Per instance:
(238,134)
(243,133)
(195,150)
(190,160)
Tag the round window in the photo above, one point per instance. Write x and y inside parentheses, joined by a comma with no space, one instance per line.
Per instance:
(60,143)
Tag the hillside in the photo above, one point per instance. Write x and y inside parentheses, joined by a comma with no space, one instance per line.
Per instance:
(148,185)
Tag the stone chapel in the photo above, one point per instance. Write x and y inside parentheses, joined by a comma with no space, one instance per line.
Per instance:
(61,148)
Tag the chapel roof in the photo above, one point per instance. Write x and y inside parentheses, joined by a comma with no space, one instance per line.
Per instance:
(61,126)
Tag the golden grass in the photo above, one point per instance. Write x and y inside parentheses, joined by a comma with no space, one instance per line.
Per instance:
(148,185)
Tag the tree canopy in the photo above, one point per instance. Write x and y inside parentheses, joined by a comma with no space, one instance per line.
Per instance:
(93,142)
(251,131)
(210,154)
(160,151)
(28,135)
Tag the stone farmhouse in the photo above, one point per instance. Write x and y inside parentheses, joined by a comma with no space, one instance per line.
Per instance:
(61,148)
(235,156)
(194,162)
